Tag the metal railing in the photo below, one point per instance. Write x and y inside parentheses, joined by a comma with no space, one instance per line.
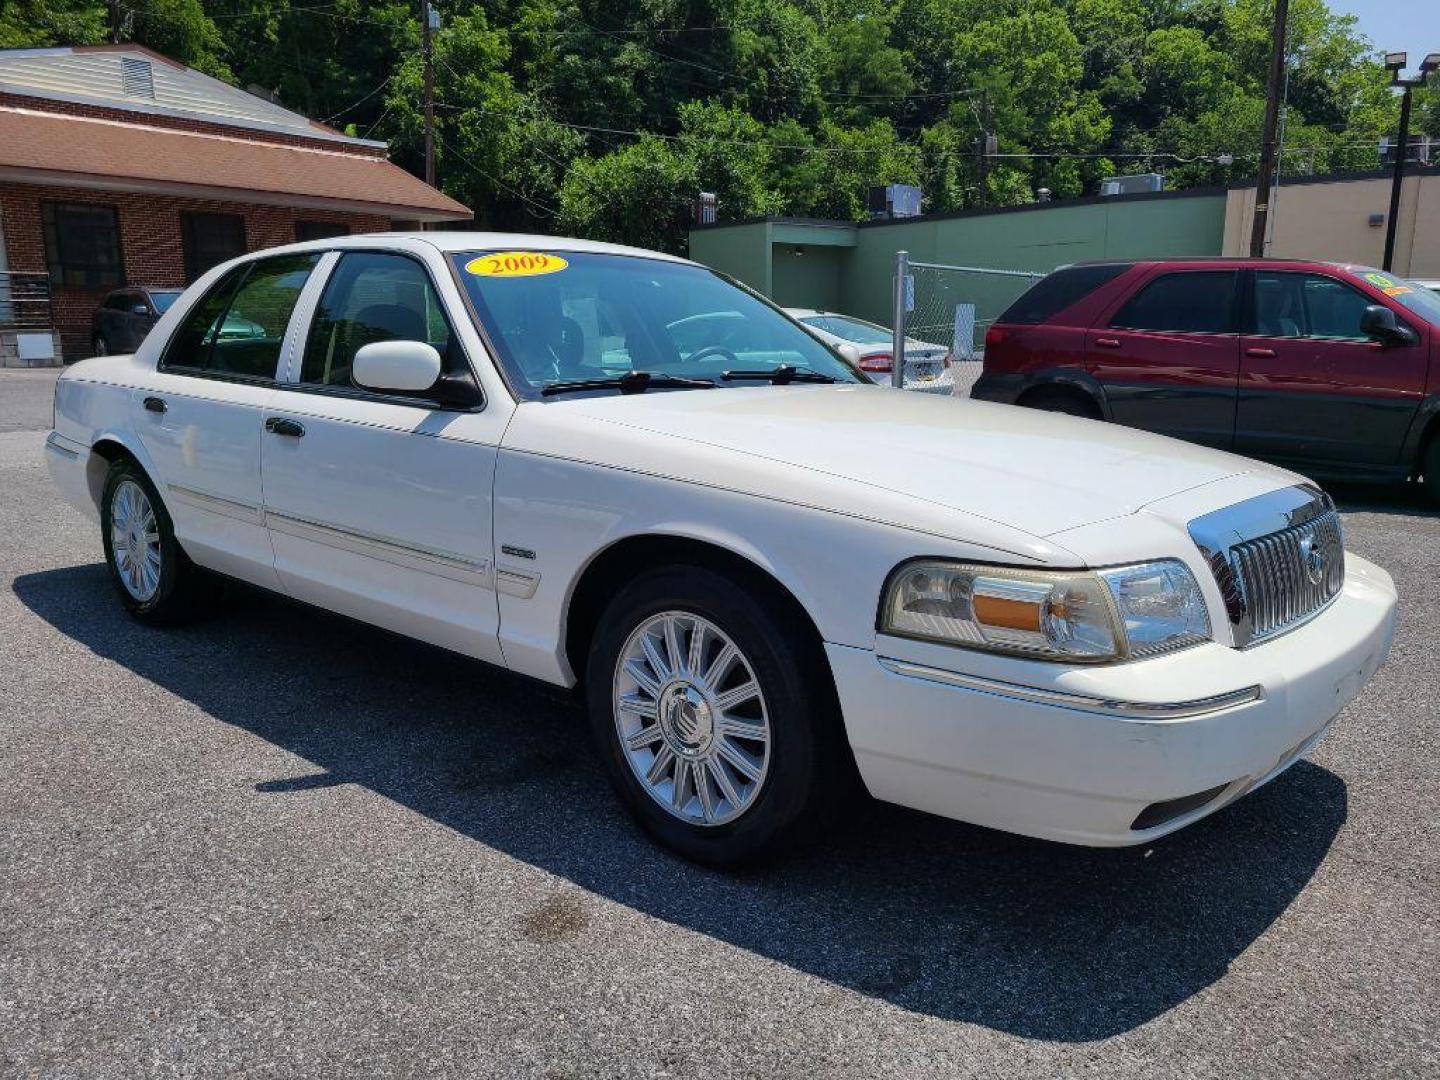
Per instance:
(25,301)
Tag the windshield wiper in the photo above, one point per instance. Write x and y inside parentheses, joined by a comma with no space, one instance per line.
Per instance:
(784,373)
(632,382)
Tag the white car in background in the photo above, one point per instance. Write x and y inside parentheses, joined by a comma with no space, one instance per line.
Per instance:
(1433,284)
(927,365)
(615,471)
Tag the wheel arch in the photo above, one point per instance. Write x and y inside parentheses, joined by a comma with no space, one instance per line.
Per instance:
(104,452)
(1080,385)
(619,561)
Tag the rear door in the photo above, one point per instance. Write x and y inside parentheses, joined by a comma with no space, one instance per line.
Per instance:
(1168,356)
(201,420)
(1313,388)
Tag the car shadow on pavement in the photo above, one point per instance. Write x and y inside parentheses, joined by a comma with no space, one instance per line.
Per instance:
(948,920)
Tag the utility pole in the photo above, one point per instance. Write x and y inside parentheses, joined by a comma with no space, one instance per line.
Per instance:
(429,22)
(114,22)
(1272,121)
(1396,63)
(984,148)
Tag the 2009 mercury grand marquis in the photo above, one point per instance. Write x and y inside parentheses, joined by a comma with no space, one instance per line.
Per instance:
(617,470)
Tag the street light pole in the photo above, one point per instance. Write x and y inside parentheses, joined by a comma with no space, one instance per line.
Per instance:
(1272,122)
(1396,63)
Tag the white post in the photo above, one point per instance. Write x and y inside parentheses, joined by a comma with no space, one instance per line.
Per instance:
(897,341)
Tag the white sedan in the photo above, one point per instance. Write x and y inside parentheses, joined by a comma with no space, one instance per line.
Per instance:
(927,365)
(529,451)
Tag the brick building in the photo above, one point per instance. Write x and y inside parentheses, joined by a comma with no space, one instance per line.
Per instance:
(119,166)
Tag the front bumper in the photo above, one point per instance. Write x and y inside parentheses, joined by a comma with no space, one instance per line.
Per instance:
(1080,761)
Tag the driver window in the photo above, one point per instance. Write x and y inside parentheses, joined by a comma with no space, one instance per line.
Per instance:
(1307,306)
(375,297)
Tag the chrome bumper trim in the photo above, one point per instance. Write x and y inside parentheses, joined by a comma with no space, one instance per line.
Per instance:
(1124,710)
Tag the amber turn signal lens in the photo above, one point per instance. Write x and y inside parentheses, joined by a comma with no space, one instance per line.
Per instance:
(1010,614)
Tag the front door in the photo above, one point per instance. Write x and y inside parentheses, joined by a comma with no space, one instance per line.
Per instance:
(201,422)
(379,505)
(1313,387)
(1169,356)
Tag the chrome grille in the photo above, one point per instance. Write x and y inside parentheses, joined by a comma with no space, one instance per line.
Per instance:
(1278,559)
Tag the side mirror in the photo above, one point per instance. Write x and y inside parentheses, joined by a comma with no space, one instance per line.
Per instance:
(139,309)
(1378,323)
(396,365)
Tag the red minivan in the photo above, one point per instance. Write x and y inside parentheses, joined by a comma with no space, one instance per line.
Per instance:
(1333,370)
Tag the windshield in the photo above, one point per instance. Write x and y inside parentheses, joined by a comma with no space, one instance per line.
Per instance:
(163,300)
(842,326)
(1410,294)
(561,317)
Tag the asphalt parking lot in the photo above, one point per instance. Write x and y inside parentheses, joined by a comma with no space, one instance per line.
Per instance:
(280,844)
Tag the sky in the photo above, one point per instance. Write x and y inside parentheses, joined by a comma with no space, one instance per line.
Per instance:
(1411,26)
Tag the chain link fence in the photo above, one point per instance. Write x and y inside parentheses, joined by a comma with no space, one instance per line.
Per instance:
(953,306)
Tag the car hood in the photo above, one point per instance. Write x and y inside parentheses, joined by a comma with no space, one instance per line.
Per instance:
(885,454)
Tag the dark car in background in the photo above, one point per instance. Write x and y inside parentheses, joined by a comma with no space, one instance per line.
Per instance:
(1329,369)
(125,316)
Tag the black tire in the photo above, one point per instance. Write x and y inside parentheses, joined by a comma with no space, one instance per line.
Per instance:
(101,346)
(183,590)
(1061,401)
(807,752)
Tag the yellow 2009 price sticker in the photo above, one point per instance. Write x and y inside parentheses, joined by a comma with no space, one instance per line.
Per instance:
(515,264)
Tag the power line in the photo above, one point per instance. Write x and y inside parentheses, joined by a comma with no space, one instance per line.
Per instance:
(360,101)
(550,210)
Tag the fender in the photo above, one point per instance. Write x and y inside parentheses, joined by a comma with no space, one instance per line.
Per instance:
(1424,426)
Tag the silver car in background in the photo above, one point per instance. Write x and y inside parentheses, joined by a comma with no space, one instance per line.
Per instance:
(927,365)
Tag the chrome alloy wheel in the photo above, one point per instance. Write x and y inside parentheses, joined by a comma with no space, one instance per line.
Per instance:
(135,540)
(691,718)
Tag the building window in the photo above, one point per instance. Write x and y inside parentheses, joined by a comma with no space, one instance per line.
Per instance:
(82,244)
(210,239)
(319,230)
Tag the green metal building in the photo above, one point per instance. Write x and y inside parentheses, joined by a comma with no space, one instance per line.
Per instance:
(843,266)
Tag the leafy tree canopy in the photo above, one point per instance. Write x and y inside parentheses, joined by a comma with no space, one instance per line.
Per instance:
(605,119)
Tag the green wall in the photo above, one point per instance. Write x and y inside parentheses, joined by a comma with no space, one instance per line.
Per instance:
(850,268)
(807,276)
(742,251)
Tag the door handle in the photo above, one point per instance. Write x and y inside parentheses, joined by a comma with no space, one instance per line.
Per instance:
(279,425)
(1108,342)
(154,404)
(1259,353)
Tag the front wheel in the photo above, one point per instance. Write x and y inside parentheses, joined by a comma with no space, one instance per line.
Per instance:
(155,580)
(715,715)
(100,347)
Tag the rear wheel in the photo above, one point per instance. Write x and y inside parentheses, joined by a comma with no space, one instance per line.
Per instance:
(714,712)
(154,578)
(1431,468)
(1061,401)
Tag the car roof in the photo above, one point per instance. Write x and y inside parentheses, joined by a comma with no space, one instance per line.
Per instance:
(1221,260)
(457,240)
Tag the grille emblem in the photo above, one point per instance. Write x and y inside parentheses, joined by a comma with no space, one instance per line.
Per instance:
(1312,557)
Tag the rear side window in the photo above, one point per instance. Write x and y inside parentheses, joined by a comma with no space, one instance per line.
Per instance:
(238,326)
(1193,302)
(1053,294)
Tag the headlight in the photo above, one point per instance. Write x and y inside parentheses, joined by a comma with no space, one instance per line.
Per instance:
(1074,615)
